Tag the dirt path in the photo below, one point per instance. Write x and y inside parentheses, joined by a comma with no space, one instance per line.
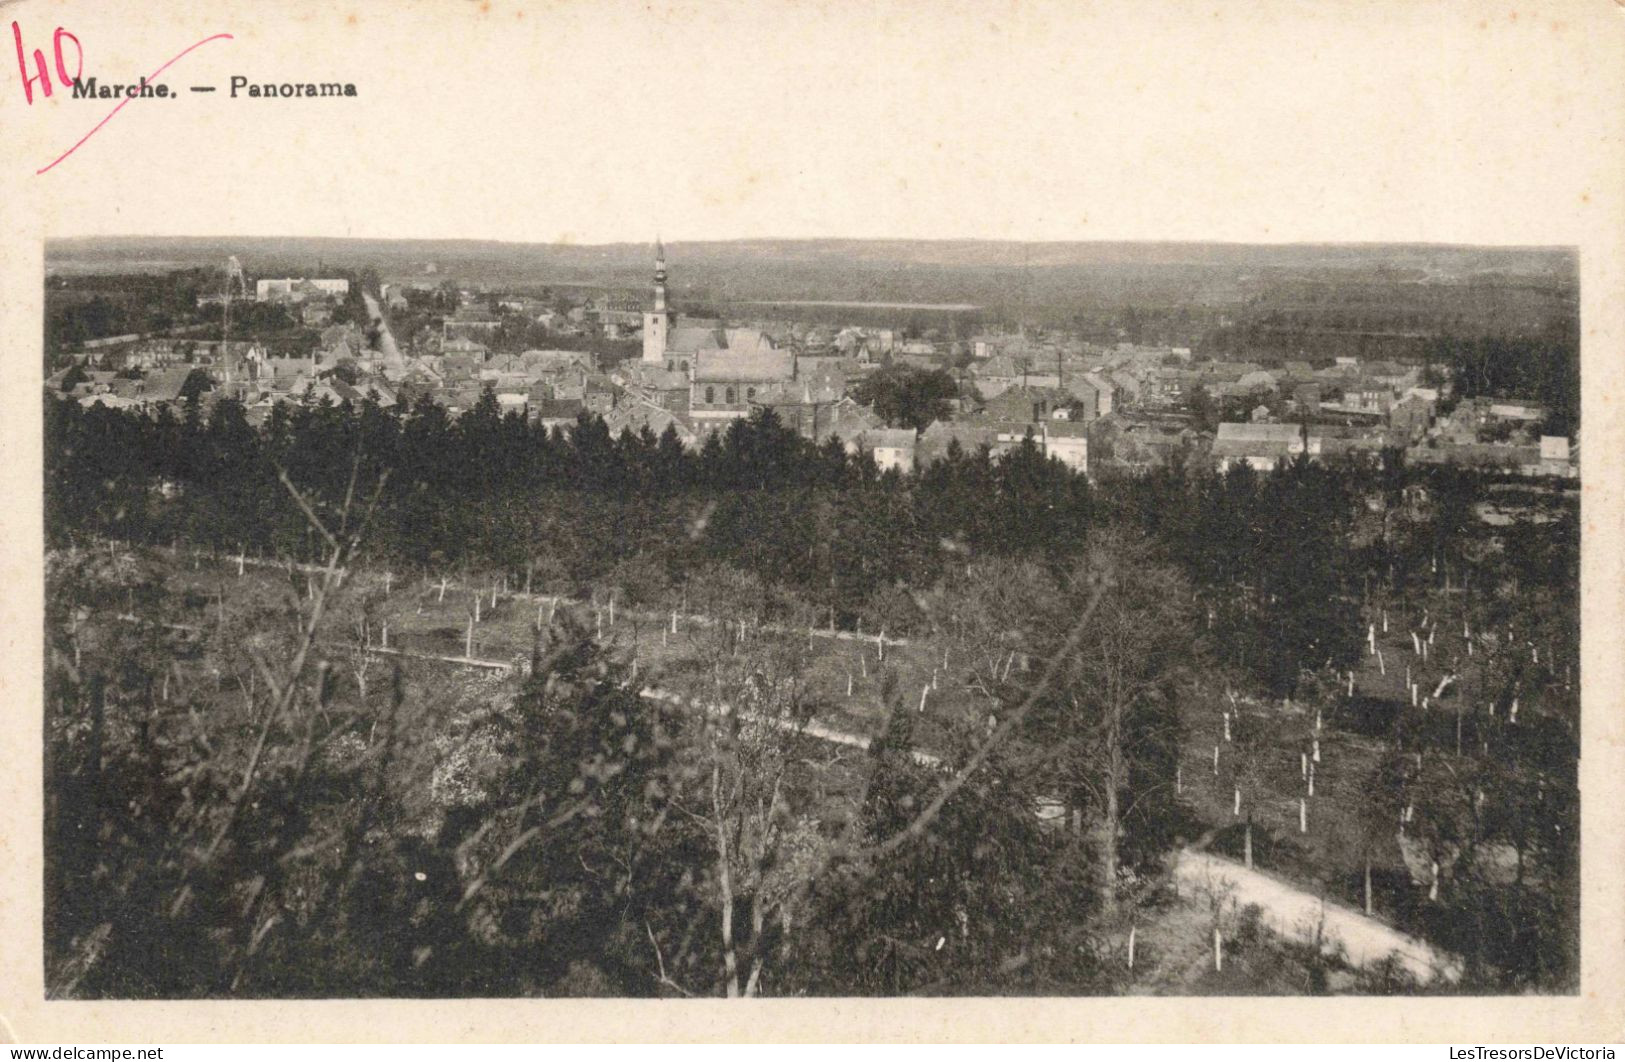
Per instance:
(1298,915)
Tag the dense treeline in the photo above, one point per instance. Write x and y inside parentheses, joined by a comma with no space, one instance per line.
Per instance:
(1544,369)
(823,532)
(1279,561)
(84,308)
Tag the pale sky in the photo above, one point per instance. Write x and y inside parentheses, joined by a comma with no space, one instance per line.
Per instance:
(612,121)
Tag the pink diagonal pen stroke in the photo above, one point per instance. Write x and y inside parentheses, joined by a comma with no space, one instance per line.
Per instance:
(127,99)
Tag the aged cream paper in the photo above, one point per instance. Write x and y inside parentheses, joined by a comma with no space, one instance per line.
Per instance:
(1359,120)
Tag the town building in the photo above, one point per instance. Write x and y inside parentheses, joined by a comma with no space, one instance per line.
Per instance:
(295,289)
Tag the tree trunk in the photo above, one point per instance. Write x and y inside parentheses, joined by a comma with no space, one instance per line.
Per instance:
(1368,886)
(1247,843)
(1109,828)
(730,959)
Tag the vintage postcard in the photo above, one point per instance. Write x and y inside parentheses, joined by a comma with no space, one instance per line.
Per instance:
(812,520)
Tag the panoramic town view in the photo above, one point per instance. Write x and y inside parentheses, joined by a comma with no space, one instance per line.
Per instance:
(809,618)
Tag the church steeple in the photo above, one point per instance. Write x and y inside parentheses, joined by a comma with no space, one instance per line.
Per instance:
(657,321)
(660,276)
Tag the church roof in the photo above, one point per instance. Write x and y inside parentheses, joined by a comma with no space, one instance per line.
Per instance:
(686,339)
(750,367)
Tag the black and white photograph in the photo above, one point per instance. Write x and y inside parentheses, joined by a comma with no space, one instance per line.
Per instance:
(1104,574)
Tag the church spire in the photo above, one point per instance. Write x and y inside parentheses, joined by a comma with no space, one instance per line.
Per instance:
(660,276)
(657,319)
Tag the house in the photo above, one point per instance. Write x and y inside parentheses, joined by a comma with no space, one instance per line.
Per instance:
(1487,456)
(557,412)
(845,420)
(469,321)
(1410,416)
(1556,456)
(810,407)
(636,416)
(618,311)
(1066,442)
(512,401)
(1343,442)
(1262,446)
(1027,404)
(1096,395)
(1172,386)
(168,385)
(1137,443)
(890,447)
(460,366)
(546,361)
(600,394)
(299,288)
(463,346)
(1516,409)
(940,435)
(111,401)
(1127,385)
(1257,380)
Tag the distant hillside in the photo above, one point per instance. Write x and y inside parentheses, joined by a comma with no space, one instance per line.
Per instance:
(544,263)
(1079,285)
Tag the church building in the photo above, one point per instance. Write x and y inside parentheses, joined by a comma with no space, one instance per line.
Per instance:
(728,369)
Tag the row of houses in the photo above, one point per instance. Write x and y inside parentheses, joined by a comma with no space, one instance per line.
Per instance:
(1265,447)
